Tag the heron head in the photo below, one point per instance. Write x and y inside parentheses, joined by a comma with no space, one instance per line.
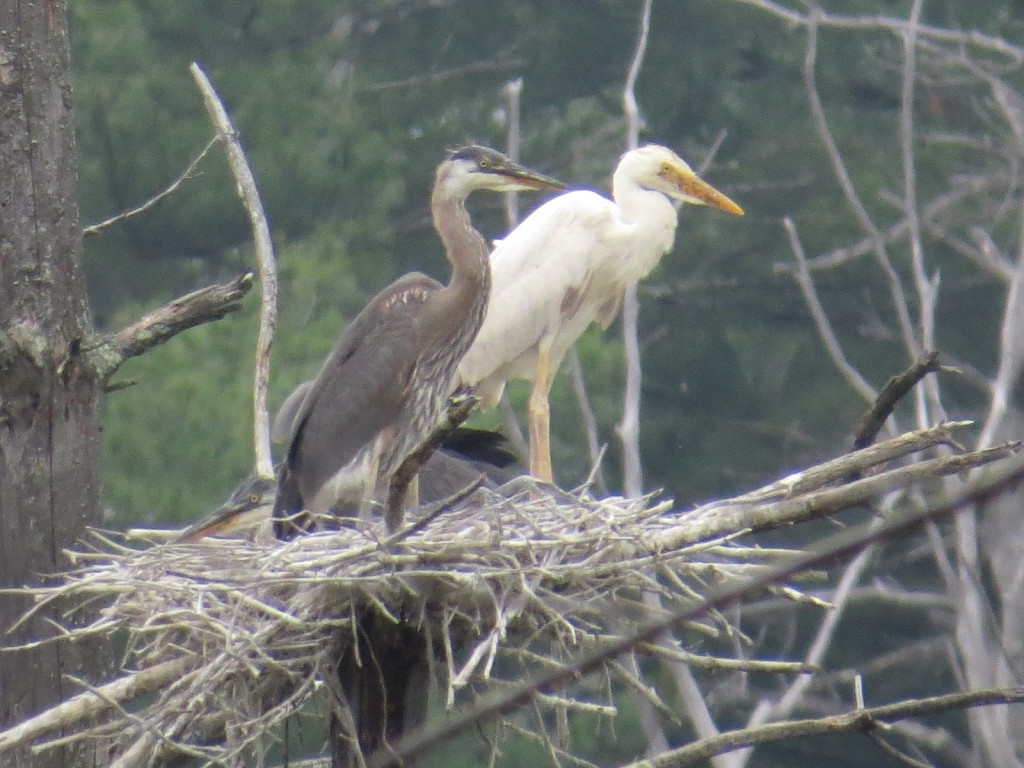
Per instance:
(253,492)
(662,170)
(249,504)
(474,167)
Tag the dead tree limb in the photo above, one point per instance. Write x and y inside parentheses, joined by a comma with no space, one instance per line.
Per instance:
(188,173)
(156,327)
(885,403)
(866,720)
(91,704)
(264,248)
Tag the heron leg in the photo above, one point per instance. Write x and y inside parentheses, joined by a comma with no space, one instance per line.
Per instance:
(412,493)
(539,414)
(369,501)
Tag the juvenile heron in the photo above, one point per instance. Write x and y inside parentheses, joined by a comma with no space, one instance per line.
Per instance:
(462,458)
(384,386)
(567,265)
(248,507)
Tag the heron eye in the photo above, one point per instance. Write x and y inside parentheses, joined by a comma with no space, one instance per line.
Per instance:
(253,498)
(483,164)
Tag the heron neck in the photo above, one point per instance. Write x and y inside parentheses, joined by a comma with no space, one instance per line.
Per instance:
(461,303)
(652,217)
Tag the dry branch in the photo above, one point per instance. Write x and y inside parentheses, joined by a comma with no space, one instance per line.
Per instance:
(92,704)
(188,173)
(954,38)
(249,194)
(156,327)
(885,403)
(862,719)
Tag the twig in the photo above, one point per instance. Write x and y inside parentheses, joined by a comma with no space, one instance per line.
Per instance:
(929,403)
(95,229)
(821,322)
(594,448)
(821,643)
(939,205)
(156,327)
(437,509)
(848,465)
(496,63)
(513,92)
(889,749)
(896,292)
(628,428)
(719,519)
(249,194)
(896,26)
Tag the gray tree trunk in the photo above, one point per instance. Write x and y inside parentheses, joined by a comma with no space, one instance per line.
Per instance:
(49,409)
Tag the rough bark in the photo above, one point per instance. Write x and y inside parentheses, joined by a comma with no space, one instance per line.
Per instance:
(49,420)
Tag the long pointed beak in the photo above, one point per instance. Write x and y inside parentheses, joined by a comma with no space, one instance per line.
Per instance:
(226,518)
(521,177)
(694,187)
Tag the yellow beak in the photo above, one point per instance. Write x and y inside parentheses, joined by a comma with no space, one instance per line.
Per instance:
(694,187)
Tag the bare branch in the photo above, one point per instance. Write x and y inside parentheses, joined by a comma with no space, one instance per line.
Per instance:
(156,327)
(90,704)
(858,720)
(896,292)
(500,62)
(187,174)
(929,404)
(628,428)
(594,449)
(821,643)
(821,322)
(894,390)
(264,247)
(513,92)
(941,204)
(954,37)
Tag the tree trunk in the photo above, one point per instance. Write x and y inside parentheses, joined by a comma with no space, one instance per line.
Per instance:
(49,417)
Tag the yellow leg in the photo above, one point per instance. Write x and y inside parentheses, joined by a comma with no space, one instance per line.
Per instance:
(539,415)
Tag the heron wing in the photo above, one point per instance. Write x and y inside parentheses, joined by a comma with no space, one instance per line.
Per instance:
(360,391)
(284,421)
(543,285)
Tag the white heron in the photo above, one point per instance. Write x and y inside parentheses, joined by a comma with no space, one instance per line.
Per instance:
(567,265)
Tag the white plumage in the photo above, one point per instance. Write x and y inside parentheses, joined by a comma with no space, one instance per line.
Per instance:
(567,265)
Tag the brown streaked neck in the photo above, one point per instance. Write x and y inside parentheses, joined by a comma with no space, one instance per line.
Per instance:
(461,301)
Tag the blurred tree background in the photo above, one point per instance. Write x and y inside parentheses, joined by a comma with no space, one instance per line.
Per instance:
(346,107)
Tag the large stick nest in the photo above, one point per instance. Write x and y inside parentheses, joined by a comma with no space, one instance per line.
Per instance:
(502,583)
